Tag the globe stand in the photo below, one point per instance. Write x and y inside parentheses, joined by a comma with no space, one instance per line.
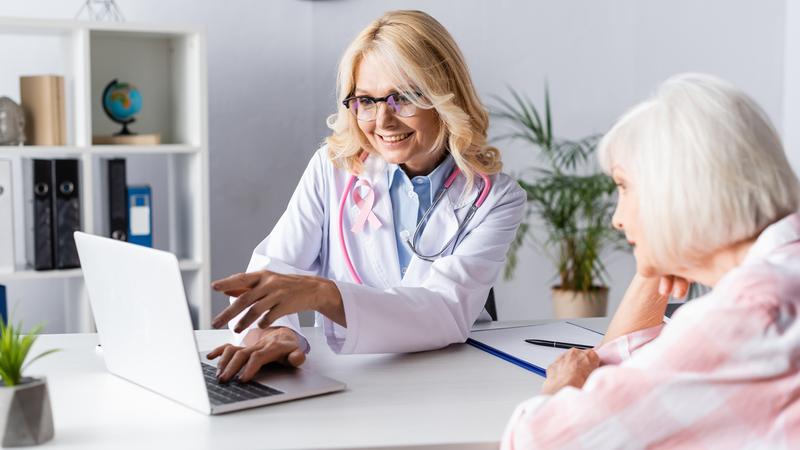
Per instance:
(125,131)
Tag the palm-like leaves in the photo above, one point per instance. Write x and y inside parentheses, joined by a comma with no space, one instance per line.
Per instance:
(571,199)
(14,348)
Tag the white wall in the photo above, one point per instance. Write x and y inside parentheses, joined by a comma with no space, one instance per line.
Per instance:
(791,84)
(272,71)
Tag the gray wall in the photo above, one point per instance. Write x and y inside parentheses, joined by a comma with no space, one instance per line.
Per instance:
(272,70)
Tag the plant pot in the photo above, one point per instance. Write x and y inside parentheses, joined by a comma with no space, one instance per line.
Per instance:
(569,304)
(25,414)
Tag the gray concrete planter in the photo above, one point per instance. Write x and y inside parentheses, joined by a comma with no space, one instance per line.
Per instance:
(25,414)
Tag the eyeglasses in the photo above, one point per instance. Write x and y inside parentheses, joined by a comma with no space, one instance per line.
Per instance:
(365,108)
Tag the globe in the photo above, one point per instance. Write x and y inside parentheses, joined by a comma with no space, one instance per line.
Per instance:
(121,102)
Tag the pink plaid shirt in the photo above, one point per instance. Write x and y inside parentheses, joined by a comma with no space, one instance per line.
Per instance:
(723,374)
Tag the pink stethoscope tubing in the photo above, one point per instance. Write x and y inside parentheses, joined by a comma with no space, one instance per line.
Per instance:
(487,184)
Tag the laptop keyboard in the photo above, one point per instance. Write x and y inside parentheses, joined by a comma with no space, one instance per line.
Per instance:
(233,391)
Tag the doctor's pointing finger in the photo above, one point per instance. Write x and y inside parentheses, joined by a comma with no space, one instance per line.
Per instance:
(266,296)
(400,224)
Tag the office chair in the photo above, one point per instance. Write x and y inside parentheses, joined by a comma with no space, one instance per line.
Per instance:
(490,306)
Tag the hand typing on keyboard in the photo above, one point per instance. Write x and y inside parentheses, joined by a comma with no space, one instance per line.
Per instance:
(235,391)
(262,346)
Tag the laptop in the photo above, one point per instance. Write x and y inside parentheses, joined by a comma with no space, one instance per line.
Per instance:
(145,328)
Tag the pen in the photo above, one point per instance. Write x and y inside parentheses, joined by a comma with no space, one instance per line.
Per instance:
(557,344)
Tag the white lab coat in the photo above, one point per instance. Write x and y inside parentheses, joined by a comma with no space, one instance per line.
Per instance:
(434,304)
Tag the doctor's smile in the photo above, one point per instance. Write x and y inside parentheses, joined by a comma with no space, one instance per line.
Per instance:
(393,139)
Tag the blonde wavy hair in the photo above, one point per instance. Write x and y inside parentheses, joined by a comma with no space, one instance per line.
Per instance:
(423,59)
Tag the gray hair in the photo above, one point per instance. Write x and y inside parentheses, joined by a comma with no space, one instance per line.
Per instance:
(708,166)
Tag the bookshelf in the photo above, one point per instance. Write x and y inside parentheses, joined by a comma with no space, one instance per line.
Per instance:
(168,65)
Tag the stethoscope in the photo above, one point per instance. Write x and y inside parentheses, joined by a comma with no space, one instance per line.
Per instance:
(411,241)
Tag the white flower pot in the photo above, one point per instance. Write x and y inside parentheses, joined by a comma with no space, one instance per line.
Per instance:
(25,414)
(570,304)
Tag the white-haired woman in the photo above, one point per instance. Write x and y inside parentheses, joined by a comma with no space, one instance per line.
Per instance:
(705,194)
(399,226)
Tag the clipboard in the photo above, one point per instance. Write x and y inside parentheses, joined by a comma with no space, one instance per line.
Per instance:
(509,344)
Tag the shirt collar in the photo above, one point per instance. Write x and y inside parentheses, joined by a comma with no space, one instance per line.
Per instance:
(777,235)
(436,178)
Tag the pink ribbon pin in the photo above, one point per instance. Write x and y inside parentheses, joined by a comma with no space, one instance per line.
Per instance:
(364,205)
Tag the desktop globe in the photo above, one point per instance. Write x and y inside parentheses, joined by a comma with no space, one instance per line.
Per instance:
(122,102)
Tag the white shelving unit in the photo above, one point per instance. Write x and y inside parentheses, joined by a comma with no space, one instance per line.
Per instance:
(168,65)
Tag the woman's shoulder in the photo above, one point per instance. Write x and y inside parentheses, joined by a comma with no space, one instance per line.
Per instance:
(320,162)
(770,284)
(502,179)
(320,158)
(321,174)
(506,184)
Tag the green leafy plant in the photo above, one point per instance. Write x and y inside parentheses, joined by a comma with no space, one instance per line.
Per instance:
(571,198)
(14,348)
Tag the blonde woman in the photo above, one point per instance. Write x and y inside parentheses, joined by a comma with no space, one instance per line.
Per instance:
(705,194)
(399,225)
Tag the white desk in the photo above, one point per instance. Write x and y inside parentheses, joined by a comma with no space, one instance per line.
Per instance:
(457,397)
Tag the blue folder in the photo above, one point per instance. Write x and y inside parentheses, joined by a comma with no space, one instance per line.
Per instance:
(506,357)
(140,217)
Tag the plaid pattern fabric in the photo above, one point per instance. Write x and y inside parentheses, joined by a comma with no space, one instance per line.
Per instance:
(723,374)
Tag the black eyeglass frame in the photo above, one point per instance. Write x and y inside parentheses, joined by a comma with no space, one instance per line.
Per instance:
(375,100)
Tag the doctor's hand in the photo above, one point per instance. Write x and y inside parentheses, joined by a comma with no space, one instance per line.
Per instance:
(261,347)
(572,368)
(270,295)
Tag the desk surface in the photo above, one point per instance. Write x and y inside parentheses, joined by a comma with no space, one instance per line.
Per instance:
(457,397)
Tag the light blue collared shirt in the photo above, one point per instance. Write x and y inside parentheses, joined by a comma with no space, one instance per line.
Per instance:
(410,199)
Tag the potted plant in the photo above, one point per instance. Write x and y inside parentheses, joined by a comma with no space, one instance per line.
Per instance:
(25,414)
(572,202)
